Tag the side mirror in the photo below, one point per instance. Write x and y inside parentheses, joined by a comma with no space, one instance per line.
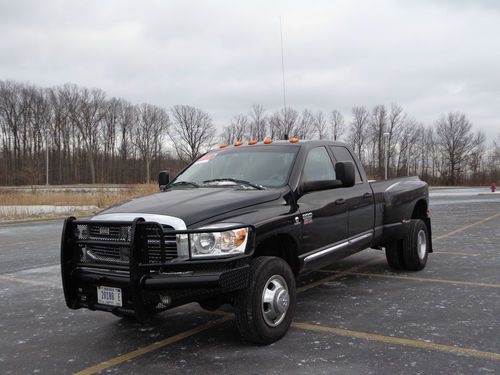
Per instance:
(163,180)
(309,186)
(345,173)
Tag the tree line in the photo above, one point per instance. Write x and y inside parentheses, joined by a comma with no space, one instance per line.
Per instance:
(92,138)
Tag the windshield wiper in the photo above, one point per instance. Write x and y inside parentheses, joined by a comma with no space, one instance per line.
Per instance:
(241,182)
(189,183)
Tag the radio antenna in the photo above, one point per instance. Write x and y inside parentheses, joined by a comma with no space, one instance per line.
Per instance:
(283,67)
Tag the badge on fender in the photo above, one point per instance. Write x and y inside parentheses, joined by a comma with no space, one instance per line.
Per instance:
(308,218)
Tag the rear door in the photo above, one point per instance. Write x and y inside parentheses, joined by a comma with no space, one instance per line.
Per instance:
(324,213)
(359,201)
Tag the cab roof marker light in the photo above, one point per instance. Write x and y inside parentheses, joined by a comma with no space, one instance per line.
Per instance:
(252,142)
(294,140)
(238,143)
(223,145)
(268,141)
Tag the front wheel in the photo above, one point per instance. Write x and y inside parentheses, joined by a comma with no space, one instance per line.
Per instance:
(264,310)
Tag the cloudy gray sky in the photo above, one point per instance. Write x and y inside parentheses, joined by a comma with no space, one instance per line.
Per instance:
(431,57)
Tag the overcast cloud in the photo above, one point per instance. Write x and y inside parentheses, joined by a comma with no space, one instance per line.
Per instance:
(431,57)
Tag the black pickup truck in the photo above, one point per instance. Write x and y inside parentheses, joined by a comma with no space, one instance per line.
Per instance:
(238,226)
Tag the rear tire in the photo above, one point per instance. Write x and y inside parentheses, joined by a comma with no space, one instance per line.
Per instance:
(416,246)
(394,255)
(264,310)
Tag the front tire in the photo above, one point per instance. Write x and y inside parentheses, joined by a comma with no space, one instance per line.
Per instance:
(264,310)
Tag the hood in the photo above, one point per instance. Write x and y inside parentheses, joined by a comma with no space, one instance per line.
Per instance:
(194,205)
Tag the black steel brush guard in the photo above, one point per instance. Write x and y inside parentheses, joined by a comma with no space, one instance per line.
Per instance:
(140,276)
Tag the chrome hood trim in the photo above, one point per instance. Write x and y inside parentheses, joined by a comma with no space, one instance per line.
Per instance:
(174,222)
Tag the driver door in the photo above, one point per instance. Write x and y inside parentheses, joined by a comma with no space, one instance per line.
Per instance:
(324,213)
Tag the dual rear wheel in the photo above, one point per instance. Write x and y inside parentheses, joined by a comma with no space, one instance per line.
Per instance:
(411,252)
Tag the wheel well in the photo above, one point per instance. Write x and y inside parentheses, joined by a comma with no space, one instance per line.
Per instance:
(282,246)
(420,210)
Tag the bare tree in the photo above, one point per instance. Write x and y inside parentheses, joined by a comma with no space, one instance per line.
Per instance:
(89,137)
(191,131)
(337,125)
(409,133)
(321,125)
(496,148)
(359,130)
(378,126)
(127,118)
(12,109)
(153,123)
(237,130)
(395,120)
(477,155)
(305,128)
(258,123)
(430,158)
(456,143)
(283,123)
(86,110)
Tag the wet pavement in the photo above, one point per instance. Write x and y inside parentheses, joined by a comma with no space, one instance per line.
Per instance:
(356,316)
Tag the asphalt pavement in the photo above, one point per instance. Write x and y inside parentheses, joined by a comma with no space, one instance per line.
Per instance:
(356,316)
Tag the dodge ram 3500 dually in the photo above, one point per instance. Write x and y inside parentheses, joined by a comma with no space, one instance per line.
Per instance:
(239,225)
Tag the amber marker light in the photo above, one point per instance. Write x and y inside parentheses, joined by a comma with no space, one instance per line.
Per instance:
(252,142)
(224,145)
(294,140)
(268,141)
(238,143)
(240,237)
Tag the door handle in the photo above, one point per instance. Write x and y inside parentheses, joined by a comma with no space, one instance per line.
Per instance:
(340,201)
(367,195)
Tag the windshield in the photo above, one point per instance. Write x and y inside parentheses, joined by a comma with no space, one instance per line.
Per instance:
(266,166)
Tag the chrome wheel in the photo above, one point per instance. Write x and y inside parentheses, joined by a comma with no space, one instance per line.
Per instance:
(275,300)
(421,244)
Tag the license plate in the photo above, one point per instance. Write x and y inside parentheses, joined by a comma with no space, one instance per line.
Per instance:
(109,296)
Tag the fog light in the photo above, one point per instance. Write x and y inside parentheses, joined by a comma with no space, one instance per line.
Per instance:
(165,300)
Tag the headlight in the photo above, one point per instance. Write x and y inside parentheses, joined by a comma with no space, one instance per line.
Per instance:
(230,242)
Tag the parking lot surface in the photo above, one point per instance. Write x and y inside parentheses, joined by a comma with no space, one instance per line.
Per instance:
(355,316)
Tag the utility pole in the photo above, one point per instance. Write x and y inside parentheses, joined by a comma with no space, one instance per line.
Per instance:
(386,138)
(408,166)
(47,156)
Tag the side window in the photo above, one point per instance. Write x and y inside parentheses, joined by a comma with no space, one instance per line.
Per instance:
(318,166)
(343,154)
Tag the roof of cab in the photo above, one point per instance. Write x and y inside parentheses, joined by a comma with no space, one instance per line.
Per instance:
(300,142)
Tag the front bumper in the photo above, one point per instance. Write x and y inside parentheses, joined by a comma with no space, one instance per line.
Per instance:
(146,288)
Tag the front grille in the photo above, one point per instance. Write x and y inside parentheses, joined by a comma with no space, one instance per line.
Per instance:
(154,248)
(112,253)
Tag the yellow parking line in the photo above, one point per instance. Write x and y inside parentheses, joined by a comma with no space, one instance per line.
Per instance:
(146,349)
(461,229)
(397,340)
(401,277)
(27,281)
